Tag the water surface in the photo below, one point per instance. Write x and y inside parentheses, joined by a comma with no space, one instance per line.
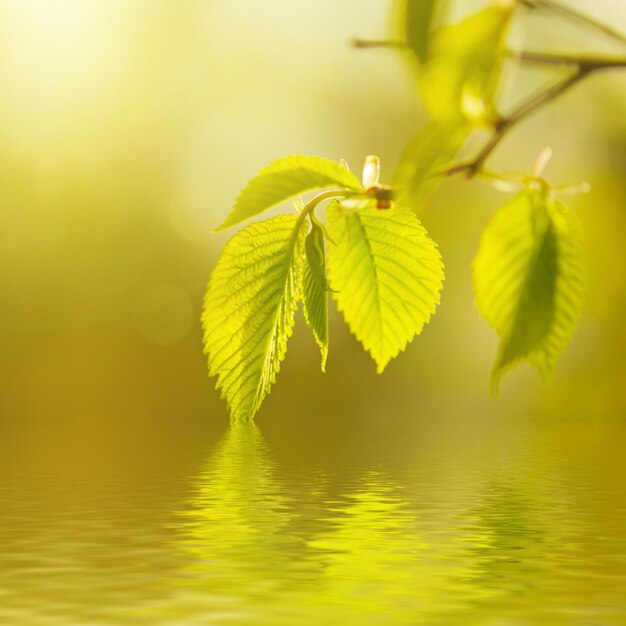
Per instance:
(506,528)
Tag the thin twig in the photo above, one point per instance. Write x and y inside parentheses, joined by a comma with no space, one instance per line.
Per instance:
(574,16)
(473,166)
(590,63)
(583,67)
(357,42)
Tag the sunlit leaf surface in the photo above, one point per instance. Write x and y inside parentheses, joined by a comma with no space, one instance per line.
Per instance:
(249,310)
(315,289)
(285,178)
(387,273)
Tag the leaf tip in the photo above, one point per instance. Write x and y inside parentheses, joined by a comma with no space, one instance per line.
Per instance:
(381,364)
(225,225)
(324,353)
(546,372)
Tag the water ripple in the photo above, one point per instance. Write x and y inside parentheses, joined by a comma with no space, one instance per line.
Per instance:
(467,540)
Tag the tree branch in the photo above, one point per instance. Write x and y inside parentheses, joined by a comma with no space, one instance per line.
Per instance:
(574,16)
(588,63)
(583,67)
(473,166)
(357,42)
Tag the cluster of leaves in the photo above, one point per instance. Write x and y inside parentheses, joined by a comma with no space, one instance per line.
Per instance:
(373,254)
(381,266)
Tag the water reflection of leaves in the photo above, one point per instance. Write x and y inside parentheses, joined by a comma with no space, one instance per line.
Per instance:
(370,550)
(237,534)
(507,538)
(263,546)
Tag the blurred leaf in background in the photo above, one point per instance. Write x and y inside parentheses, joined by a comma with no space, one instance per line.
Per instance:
(416,19)
(530,280)
(458,74)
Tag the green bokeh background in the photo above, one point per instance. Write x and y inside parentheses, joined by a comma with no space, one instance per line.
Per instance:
(127,129)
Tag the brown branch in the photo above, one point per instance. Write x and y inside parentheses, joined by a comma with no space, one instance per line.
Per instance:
(357,42)
(574,16)
(587,63)
(580,66)
(583,69)
(505,124)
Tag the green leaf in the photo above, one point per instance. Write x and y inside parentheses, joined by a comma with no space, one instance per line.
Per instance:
(417,18)
(387,273)
(430,150)
(315,288)
(285,178)
(458,79)
(529,280)
(249,310)
(461,74)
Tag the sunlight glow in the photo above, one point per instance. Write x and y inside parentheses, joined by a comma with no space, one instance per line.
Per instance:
(57,55)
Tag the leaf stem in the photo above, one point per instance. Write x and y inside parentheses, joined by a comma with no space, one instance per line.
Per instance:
(320,197)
